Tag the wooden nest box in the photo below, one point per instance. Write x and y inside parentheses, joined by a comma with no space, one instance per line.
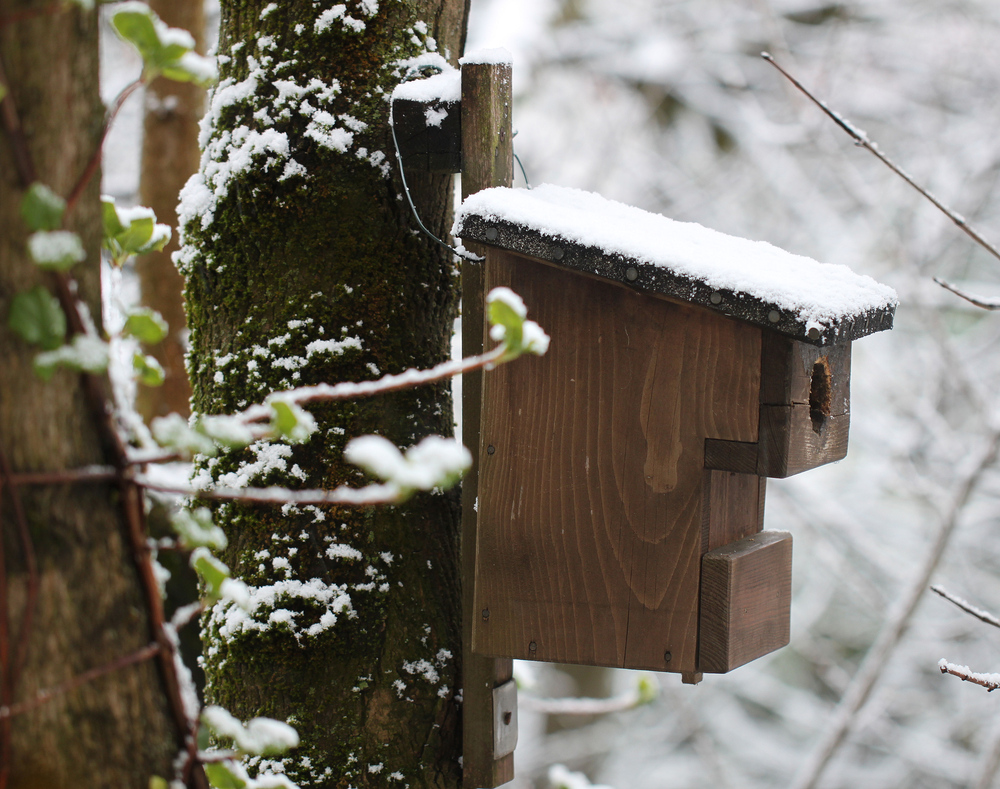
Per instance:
(621,479)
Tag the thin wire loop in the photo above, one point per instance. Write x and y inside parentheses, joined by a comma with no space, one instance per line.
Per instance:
(462,253)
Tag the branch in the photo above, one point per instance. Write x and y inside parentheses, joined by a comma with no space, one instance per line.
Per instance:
(989,681)
(979,301)
(368,496)
(581,706)
(984,616)
(861,139)
(81,679)
(898,619)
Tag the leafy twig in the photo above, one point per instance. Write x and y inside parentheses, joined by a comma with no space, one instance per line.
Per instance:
(984,616)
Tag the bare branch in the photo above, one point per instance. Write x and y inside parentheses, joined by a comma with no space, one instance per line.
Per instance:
(980,614)
(861,139)
(895,625)
(581,706)
(989,681)
(979,301)
(43,696)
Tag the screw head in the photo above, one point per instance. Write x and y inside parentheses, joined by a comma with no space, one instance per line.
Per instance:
(486,614)
(532,646)
(558,254)
(666,657)
(490,449)
(492,233)
(774,316)
(715,297)
(631,274)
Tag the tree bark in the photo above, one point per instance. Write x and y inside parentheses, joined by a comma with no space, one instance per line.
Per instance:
(88,610)
(307,245)
(169,157)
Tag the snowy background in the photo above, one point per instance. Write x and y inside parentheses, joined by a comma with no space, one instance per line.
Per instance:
(668,106)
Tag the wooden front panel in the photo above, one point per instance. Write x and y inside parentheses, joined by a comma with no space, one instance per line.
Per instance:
(592,474)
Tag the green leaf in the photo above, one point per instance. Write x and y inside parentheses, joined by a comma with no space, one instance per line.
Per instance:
(211,571)
(86,354)
(130,231)
(42,208)
(38,319)
(196,529)
(173,432)
(156,782)
(222,776)
(57,250)
(148,371)
(291,421)
(508,325)
(164,50)
(145,325)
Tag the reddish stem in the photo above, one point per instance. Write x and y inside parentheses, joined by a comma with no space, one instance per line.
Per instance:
(95,160)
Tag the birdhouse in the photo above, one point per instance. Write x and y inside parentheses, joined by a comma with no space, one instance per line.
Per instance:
(622,475)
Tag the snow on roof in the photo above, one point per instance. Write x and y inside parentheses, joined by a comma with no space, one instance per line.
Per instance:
(752,280)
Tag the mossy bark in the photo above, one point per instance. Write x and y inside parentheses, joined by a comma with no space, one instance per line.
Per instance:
(89,609)
(303,265)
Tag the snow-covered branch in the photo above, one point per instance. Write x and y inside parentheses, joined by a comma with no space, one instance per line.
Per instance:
(980,614)
(989,681)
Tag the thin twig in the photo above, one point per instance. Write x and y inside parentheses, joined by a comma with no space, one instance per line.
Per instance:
(877,658)
(20,652)
(12,125)
(81,679)
(989,681)
(861,139)
(368,496)
(32,13)
(95,159)
(979,301)
(628,700)
(980,614)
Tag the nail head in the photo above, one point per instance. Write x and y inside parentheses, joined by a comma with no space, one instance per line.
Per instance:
(774,316)
(715,298)
(490,449)
(631,274)
(492,233)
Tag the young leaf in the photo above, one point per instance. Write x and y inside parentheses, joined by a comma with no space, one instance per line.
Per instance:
(173,432)
(164,50)
(229,431)
(292,422)
(42,208)
(130,231)
(55,249)
(145,325)
(196,529)
(148,371)
(257,737)
(211,571)
(507,316)
(37,317)
(223,775)
(85,354)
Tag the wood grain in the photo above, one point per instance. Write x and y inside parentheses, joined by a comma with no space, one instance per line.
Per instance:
(488,161)
(436,149)
(746,590)
(592,486)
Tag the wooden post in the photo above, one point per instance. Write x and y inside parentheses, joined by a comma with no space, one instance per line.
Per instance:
(487,160)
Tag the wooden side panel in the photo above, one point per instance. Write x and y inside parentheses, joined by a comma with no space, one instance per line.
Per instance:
(592,471)
(805,411)
(746,593)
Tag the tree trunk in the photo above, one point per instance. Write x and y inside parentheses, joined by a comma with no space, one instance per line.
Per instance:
(169,157)
(303,265)
(88,610)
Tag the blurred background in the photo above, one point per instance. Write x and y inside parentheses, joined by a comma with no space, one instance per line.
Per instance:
(668,106)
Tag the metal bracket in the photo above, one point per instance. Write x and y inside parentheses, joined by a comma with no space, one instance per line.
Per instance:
(504,719)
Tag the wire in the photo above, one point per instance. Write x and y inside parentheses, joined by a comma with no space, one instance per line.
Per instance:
(462,253)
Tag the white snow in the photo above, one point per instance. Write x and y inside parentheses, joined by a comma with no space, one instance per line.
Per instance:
(491,56)
(818,294)
(256,736)
(445,86)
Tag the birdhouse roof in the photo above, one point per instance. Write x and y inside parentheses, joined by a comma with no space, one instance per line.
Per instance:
(819,303)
